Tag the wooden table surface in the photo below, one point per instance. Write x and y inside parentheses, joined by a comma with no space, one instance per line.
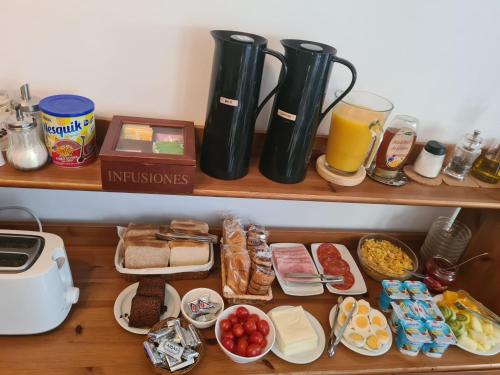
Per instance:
(90,341)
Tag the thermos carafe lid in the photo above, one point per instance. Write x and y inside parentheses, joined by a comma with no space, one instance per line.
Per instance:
(308,46)
(238,37)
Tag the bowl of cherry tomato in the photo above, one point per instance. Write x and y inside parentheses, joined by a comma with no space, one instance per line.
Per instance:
(245,333)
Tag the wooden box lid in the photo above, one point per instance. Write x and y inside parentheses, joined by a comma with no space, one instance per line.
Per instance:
(111,150)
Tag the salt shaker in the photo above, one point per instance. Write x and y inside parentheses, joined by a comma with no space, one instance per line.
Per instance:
(430,160)
(464,155)
(26,151)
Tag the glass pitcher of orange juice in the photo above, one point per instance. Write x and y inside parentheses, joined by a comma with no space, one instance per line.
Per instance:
(355,132)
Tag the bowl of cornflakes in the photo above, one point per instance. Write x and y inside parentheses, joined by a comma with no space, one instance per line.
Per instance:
(384,257)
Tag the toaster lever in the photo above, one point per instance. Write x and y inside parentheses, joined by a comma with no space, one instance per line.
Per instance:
(72,295)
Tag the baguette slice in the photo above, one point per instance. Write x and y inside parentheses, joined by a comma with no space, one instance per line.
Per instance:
(146,254)
(188,253)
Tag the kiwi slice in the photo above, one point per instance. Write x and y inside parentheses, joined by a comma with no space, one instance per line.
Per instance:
(463,318)
(446,311)
(457,327)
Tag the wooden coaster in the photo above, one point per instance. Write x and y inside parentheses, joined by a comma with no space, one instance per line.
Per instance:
(485,184)
(337,179)
(467,182)
(412,175)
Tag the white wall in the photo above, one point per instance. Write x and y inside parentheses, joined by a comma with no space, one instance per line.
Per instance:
(437,60)
(121,208)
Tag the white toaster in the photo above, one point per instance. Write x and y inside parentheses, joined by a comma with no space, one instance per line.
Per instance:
(36,287)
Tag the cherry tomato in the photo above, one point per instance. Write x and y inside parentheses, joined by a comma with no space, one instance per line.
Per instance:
(253,350)
(241,346)
(263,327)
(256,338)
(253,317)
(227,334)
(225,325)
(242,313)
(233,318)
(228,344)
(238,330)
(263,344)
(250,326)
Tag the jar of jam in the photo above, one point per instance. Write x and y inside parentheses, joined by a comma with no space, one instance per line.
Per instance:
(439,275)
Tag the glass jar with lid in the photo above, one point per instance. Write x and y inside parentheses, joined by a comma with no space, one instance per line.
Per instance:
(26,150)
(464,155)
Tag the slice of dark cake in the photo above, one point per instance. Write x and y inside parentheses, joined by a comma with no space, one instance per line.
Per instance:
(151,291)
(145,311)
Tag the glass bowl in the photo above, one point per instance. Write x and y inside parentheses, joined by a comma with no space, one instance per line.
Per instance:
(378,275)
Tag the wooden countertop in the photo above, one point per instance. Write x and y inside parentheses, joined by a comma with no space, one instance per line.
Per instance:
(90,341)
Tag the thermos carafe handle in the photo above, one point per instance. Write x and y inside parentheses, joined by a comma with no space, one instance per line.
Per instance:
(281,79)
(349,88)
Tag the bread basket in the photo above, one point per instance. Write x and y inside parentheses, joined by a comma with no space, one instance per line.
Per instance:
(244,299)
(201,349)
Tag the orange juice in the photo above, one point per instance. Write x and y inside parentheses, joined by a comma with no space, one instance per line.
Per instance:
(350,136)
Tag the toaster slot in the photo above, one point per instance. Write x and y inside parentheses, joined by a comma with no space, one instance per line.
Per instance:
(13,259)
(19,252)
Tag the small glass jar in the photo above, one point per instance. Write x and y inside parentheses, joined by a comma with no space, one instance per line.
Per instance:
(439,277)
(26,151)
(464,155)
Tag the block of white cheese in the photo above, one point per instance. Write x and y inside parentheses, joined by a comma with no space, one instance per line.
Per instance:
(294,332)
(188,253)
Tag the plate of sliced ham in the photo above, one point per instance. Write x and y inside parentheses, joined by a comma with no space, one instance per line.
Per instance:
(294,258)
(335,259)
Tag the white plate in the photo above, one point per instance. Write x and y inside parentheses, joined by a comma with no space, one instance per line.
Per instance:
(309,356)
(296,289)
(359,286)
(371,353)
(493,351)
(124,301)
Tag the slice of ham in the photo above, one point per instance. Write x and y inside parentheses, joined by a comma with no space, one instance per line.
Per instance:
(293,260)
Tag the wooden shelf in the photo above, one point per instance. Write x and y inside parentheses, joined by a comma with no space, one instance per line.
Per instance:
(92,341)
(254,185)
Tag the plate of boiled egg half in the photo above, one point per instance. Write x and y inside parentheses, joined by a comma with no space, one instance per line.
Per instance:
(368,332)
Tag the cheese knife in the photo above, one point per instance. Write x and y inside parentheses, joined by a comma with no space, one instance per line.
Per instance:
(332,345)
(334,324)
(327,279)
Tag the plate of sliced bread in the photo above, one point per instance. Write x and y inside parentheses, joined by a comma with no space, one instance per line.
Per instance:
(141,305)
(144,250)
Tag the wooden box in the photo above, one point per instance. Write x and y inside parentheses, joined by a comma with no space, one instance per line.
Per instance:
(148,155)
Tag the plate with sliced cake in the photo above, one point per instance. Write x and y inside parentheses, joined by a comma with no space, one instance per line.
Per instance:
(141,305)
(367,333)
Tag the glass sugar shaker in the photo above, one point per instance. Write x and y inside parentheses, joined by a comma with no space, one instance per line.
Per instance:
(26,150)
(464,155)
(29,106)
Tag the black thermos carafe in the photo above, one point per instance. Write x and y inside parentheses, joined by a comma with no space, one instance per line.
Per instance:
(296,112)
(233,102)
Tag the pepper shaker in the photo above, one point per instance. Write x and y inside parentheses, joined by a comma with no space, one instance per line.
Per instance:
(464,155)
(430,160)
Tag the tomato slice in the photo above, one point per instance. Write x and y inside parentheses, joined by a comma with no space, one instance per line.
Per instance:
(336,267)
(348,282)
